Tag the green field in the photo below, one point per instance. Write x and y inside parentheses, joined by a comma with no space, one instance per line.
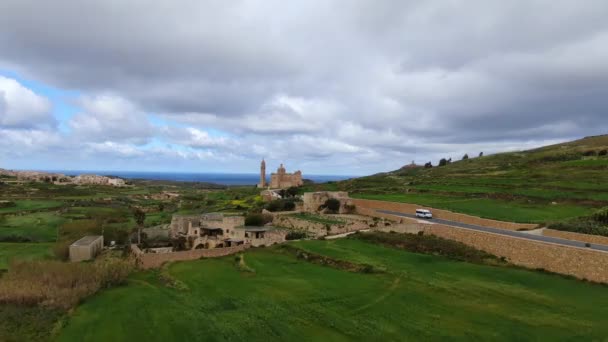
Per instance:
(23,251)
(516,211)
(317,218)
(418,297)
(40,226)
(30,205)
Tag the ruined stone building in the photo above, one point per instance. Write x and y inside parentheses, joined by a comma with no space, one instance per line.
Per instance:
(217,230)
(281,179)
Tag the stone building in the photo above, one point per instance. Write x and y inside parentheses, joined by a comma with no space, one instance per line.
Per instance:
(218,230)
(86,248)
(281,179)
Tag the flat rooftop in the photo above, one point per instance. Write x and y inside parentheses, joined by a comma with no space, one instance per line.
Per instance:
(87,240)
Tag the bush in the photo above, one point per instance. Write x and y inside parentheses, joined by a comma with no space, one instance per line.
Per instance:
(603,153)
(589,153)
(332,205)
(287,204)
(428,165)
(257,219)
(296,235)
(443,162)
(7,204)
(465,157)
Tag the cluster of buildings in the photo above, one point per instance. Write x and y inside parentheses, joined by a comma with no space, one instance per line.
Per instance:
(58,178)
(218,230)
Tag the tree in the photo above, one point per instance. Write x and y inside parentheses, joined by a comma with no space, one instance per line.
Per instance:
(140,218)
(603,153)
(428,165)
(443,162)
(292,191)
(332,205)
(465,157)
(480,154)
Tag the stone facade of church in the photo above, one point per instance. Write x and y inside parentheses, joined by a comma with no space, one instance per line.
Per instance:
(281,179)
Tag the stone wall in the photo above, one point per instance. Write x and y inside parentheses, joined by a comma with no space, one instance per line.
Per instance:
(313,200)
(320,229)
(596,239)
(579,262)
(363,207)
(153,260)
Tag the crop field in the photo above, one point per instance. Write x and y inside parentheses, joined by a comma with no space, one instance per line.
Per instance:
(23,251)
(413,296)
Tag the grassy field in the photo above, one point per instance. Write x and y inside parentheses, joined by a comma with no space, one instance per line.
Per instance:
(39,227)
(548,184)
(23,251)
(30,205)
(317,218)
(516,211)
(418,297)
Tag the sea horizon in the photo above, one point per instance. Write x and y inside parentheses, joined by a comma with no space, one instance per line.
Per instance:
(222,178)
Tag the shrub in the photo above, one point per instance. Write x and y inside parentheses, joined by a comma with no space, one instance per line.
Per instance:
(296,235)
(465,157)
(443,162)
(332,205)
(7,204)
(287,204)
(428,165)
(603,153)
(254,219)
(589,153)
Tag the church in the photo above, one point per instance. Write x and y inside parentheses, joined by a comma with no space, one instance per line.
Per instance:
(281,179)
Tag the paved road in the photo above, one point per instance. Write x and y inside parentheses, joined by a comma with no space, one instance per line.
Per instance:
(522,235)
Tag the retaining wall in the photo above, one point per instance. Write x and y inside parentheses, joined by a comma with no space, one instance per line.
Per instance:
(320,229)
(579,262)
(366,207)
(596,239)
(152,260)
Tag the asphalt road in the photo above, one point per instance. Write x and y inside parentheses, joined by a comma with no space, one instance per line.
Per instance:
(499,231)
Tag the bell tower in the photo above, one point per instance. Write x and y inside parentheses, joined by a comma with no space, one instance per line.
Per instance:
(262,183)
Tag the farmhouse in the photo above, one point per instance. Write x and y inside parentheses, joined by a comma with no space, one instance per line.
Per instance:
(218,230)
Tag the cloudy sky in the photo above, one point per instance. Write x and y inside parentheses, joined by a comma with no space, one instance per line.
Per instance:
(329,87)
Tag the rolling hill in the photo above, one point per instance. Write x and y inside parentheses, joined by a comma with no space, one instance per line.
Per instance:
(543,185)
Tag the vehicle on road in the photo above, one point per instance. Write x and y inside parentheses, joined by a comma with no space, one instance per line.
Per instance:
(424,213)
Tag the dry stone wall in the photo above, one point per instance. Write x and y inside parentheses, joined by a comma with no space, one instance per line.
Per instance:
(596,239)
(579,262)
(367,207)
(319,229)
(153,260)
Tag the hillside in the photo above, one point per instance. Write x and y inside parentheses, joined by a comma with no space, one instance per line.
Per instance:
(546,184)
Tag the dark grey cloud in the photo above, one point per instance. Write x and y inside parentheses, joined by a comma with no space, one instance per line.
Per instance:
(405,78)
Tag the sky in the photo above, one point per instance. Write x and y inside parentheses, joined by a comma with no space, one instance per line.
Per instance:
(325,86)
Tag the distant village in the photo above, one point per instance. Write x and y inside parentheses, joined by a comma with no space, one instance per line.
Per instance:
(61,179)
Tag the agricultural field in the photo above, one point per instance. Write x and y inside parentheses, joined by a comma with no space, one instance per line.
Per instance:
(23,251)
(545,185)
(280,296)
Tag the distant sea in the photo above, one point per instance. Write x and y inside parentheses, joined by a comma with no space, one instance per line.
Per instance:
(217,178)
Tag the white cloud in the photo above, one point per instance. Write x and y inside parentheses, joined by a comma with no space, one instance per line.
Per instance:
(111,118)
(20,107)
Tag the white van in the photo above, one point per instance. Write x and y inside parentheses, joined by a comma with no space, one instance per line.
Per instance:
(423,213)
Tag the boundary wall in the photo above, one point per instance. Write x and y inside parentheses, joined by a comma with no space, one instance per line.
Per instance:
(153,260)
